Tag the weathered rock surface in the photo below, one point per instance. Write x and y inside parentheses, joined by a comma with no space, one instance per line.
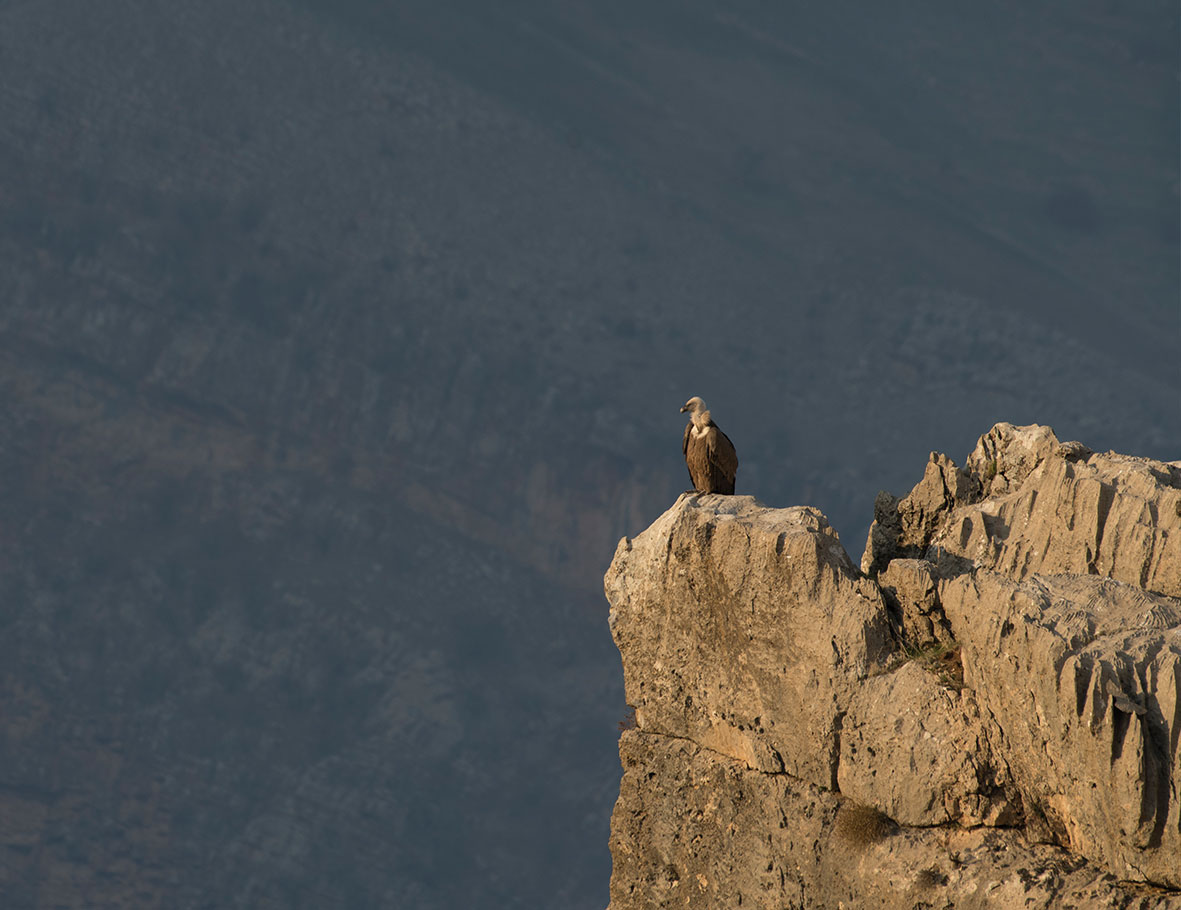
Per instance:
(988,717)
(1048,511)
(911,590)
(696,829)
(746,630)
(926,760)
(1082,675)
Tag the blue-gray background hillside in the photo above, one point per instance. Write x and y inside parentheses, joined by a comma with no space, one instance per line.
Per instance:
(340,342)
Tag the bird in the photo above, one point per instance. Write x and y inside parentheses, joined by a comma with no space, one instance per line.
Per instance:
(709,454)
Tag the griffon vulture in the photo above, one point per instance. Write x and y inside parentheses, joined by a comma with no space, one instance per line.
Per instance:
(709,454)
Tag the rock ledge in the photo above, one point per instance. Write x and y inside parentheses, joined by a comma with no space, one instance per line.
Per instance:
(986,714)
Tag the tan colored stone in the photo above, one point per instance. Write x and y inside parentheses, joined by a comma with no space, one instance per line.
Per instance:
(694,829)
(746,629)
(912,592)
(903,528)
(1082,675)
(1111,515)
(769,691)
(1006,455)
(919,751)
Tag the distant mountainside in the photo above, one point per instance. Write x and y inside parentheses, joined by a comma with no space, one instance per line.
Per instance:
(340,342)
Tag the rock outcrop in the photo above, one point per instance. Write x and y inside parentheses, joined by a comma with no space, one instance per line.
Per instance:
(985,715)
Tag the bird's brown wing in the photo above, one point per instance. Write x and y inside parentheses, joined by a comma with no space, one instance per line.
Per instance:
(723,460)
(696,461)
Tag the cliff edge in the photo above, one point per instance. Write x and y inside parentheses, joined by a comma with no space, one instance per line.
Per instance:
(985,713)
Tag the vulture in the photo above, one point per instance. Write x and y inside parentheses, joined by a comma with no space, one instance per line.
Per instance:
(709,454)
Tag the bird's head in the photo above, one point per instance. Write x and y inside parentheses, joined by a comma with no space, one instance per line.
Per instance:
(694,406)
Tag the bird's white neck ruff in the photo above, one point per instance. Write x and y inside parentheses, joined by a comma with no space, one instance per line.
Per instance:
(698,432)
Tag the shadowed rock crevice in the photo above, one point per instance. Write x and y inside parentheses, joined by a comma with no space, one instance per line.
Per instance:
(1004,678)
(1106,495)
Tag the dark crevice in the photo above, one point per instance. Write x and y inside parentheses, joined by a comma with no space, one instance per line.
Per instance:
(1106,495)
(1175,724)
(1149,560)
(733,758)
(835,756)
(1120,721)
(1082,682)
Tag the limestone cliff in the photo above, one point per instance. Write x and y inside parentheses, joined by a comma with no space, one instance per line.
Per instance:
(986,714)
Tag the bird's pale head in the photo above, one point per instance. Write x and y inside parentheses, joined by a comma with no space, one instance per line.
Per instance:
(694,406)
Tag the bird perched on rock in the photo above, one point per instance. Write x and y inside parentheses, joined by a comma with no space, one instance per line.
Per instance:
(709,454)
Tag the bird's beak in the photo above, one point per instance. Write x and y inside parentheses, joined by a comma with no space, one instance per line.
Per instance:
(684,408)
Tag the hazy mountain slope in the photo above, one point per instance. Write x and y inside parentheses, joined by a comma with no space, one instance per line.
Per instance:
(432,269)
(234,682)
(1038,141)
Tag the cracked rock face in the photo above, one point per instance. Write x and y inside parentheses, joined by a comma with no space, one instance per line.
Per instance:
(987,717)
(1082,679)
(696,829)
(745,629)
(925,760)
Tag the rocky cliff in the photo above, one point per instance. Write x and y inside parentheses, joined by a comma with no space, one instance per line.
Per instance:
(985,714)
